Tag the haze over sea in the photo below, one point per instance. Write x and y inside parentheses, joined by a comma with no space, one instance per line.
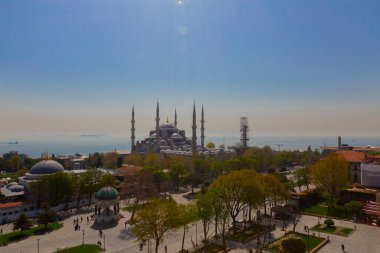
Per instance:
(85,144)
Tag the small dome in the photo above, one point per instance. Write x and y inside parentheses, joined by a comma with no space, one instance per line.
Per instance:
(16,188)
(176,136)
(107,193)
(46,167)
(11,183)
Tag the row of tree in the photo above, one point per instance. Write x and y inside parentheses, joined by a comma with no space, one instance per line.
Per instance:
(64,187)
(224,199)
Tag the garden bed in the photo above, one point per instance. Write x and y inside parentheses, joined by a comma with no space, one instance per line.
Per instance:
(86,248)
(211,248)
(17,236)
(335,230)
(321,209)
(314,242)
(247,234)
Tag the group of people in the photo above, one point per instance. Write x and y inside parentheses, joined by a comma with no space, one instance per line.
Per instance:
(77,221)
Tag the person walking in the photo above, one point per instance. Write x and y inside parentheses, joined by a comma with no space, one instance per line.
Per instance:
(342,247)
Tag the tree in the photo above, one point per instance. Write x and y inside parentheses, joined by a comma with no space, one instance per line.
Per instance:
(329,223)
(234,191)
(110,160)
(293,245)
(61,187)
(254,192)
(107,180)
(205,214)
(47,216)
(152,159)
(300,177)
(155,220)
(139,188)
(177,172)
(221,214)
(186,215)
(331,175)
(210,145)
(353,207)
(22,222)
(134,159)
(40,190)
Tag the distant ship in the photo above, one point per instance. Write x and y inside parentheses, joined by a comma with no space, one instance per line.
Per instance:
(13,142)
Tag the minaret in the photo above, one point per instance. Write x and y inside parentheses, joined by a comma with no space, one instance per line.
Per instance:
(175,117)
(194,127)
(309,156)
(157,128)
(203,129)
(339,143)
(133,130)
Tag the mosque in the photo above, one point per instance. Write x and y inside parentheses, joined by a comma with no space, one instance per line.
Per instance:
(168,138)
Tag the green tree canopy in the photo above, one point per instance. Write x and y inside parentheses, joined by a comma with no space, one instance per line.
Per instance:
(155,220)
(331,175)
(22,222)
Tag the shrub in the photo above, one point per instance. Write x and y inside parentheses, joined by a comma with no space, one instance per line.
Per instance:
(329,222)
(293,245)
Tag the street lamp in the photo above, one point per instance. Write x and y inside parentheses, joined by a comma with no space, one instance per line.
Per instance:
(308,235)
(196,234)
(104,242)
(83,238)
(38,245)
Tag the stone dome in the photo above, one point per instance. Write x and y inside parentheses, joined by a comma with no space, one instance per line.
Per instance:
(176,136)
(46,167)
(16,188)
(107,193)
(167,125)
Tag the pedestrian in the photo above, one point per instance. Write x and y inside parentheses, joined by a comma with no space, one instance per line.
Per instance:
(1,231)
(81,219)
(342,247)
(125,224)
(166,249)
(328,239)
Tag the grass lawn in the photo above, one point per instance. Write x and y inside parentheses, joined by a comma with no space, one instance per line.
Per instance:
(335,230)
(245,234)
(210,248)
(16,236)
(313,242)
(322,210)
(86,248)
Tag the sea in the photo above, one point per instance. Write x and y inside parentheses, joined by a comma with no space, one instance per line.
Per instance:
(85,145)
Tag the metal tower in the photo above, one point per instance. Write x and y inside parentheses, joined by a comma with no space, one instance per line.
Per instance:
(133,130)
(244,132)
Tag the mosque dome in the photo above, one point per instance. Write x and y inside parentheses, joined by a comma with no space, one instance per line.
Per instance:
(167,125)
(107,193)
(15,188)
(46,167)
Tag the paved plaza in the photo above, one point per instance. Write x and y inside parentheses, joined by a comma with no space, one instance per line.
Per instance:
(119,239)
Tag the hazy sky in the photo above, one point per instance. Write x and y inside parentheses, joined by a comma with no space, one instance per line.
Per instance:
(293,67)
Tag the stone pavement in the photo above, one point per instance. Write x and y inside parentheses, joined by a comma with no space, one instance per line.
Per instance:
(118,239)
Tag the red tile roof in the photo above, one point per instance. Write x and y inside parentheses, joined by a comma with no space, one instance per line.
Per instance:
(352,156)
(10,204)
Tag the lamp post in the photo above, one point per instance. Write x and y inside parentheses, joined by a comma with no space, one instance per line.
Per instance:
(83,238)
(38,245)
(196,234)
(308,235)
(104,242)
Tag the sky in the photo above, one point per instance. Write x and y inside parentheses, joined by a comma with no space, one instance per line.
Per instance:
(71,67)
